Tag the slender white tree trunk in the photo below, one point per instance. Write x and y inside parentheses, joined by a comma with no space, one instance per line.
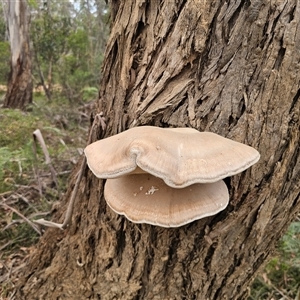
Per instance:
(19,90)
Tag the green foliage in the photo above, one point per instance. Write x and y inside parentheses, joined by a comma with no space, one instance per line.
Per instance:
(16,140)
(2,23)
(49,36)
(5,157)
(32,3)
(16,154)
(14,162)
(88,93)
(16,128)
(78,42)
(281,277)
(4,61)
(290,246)
(67,44)
(77,68)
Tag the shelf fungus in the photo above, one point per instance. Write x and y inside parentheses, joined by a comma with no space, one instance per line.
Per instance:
(144,198)
(167,176)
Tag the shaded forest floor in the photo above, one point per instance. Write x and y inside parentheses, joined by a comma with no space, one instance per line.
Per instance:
(31,184)
(30,189)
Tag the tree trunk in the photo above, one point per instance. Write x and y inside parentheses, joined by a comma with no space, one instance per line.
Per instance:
(230,67)
(19,89)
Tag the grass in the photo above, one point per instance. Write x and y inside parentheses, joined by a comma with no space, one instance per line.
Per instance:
(16,155)
(280,280)
(27,189)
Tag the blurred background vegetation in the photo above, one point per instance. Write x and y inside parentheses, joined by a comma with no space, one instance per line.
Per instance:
(67,43)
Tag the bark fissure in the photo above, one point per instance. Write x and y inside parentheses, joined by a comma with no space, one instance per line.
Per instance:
(295,102)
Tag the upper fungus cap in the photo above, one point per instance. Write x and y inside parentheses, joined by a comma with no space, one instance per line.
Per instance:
(144,198)
(179,156)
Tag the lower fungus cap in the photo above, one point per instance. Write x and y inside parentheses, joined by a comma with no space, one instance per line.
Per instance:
(144,198)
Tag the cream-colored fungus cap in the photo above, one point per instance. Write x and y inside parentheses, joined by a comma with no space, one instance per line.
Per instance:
(144,198)
(179,156)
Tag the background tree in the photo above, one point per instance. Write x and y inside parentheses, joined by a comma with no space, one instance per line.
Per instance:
(19,89)
(228,67)
(68,40)
(4,47)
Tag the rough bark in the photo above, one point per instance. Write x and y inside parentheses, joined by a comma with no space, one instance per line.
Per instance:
(231,67)
(19,87)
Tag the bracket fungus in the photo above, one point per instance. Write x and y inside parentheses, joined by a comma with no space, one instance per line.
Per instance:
(144,198)
(180,169)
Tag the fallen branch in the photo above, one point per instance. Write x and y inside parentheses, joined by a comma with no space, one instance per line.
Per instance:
(12,271)
(70,206)
(100,121)
(37,136)
(22,216)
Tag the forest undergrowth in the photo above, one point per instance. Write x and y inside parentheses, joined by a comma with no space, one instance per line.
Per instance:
(33,179)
